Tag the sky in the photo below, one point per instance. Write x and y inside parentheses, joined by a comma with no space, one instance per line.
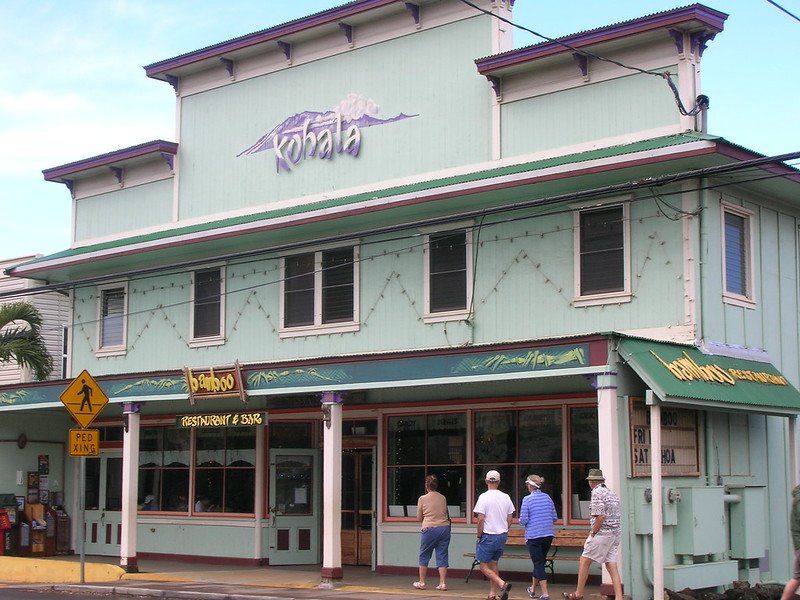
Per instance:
(72,84)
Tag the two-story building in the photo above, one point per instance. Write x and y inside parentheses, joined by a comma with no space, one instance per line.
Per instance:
(386,244)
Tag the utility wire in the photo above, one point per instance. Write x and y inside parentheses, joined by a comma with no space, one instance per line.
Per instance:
(779,7)
(262,253)
(700,103)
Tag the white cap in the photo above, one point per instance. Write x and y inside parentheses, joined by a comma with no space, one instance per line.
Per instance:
(492,476)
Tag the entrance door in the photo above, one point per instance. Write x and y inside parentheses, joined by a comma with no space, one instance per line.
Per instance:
(103,504)
(357,505)
(294,507)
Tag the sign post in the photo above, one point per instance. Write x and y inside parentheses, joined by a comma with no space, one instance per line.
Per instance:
(84,400)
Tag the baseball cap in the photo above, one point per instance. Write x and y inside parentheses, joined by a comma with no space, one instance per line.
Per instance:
(492,475)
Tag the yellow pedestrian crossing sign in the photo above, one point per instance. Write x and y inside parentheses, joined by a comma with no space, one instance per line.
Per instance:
(84,399)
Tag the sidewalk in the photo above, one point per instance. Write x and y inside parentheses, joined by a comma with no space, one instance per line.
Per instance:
(166,579)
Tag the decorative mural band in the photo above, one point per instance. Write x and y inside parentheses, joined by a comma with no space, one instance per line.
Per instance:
(686,369)
(377,372)
(314,134)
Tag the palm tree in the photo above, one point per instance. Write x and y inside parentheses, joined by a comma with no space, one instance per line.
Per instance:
(21,340)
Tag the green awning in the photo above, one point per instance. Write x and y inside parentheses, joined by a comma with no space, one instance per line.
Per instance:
(685,375)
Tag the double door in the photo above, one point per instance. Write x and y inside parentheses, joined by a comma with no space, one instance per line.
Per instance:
(358,506)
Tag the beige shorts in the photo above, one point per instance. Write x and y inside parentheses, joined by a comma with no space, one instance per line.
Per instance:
(602,548)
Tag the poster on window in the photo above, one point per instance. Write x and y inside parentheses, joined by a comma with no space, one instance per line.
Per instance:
(679,441)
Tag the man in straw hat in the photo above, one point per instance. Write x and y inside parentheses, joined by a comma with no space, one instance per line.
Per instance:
(605,534)
(495,510)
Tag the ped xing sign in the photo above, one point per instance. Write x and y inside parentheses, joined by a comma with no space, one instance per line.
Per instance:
(84,442)
(84,399)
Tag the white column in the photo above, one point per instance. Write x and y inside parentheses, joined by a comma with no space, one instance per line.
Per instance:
(608,432)
(130,486)
(655,478)
(261,467)
(331,490)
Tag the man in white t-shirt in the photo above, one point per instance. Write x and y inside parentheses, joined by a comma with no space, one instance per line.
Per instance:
(494,510)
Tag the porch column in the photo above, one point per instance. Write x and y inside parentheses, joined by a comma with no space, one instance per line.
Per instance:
(609,440)
(331,490)
(130,486)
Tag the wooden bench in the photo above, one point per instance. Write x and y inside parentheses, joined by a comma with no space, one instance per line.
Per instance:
(564,538)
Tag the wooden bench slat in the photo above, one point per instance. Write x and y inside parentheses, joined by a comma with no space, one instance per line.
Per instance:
(564,538)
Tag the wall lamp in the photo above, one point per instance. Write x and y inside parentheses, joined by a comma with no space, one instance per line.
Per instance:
(328,399)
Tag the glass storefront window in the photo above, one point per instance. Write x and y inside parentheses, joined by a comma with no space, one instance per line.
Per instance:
(518,443)
(164,454)
(290,434)
(426,445)
(225,471)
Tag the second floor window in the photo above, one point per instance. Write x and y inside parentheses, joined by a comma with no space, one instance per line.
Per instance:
(448,275)
(602,240)
(320,291)
(208,304)
(112,309)
(737,252)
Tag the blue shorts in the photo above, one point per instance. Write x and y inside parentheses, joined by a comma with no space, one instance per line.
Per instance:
(437,538)
(490,547)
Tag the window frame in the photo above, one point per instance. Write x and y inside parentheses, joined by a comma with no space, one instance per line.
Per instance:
(115,349)
(617,296)
(318,327)
(428,315)
(214,339)
(747,300)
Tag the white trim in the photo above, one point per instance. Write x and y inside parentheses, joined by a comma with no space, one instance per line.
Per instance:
(429,316)
(748,300)
(118,349)
(210,340)
(318,327)
(615,297)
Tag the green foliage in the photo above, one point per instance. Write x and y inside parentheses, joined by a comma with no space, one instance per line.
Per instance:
(21,340)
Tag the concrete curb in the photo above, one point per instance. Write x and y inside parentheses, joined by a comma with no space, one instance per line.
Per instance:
(154,593)
(34,570)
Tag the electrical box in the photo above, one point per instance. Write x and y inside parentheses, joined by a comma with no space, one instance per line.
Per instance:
(701,521)
(748,524)
(643,511)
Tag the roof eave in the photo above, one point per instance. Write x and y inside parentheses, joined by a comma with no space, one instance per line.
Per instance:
(709,19)
(65,172)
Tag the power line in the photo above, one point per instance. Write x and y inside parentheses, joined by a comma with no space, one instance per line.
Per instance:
(259,254)
(779,7)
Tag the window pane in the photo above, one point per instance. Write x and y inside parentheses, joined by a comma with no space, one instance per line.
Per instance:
(207,302)
(407,441)
(112,322)
(448,271)
(150,447)
(241,447)
(509,479)
(290,435)
(210,447)
(552,486)
(583,434)
(298,297)
(495,439)
(113,484)
(209,487)
(239,490)
(735,254)
(293,475)
(453,486)
(92,491)
(602,252)
(337,285)
(175,490)
(177,446)
(540,436)
(405,486)
(447,439)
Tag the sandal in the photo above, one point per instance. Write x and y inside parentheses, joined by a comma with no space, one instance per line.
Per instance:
(419,585)
(571,596)
(441,587)
(504,589)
